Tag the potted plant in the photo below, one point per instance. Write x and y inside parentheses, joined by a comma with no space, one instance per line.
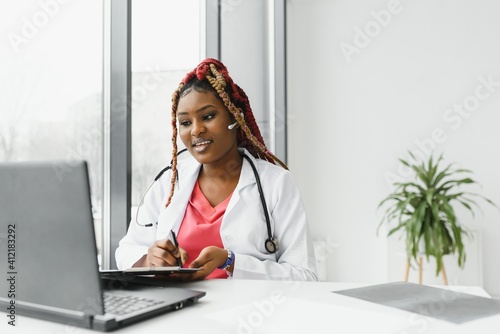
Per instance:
(424,210)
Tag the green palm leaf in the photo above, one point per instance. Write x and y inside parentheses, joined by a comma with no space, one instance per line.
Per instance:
(423,209)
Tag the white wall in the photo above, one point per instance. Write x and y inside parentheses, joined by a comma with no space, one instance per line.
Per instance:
(352,116)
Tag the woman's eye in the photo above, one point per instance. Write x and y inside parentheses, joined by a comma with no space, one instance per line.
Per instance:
(208,117)
(184,123)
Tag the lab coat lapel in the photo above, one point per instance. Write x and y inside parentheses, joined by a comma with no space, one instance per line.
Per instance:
(171,217)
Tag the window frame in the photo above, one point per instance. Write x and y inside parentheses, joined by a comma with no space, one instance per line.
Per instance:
(117,125)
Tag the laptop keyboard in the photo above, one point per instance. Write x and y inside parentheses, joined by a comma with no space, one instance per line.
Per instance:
(121,305)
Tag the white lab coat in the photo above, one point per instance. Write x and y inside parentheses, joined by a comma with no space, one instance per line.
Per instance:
(243,228)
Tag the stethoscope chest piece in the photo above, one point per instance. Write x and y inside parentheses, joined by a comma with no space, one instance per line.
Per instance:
(272,245)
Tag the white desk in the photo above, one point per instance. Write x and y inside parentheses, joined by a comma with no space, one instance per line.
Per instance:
(258,307)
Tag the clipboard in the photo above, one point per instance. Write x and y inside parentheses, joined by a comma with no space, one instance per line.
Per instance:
(147,271)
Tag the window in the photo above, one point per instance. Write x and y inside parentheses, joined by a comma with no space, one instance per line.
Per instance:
(51,87)
(166,44)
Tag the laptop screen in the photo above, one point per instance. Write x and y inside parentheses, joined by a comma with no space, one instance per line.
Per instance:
(47,211)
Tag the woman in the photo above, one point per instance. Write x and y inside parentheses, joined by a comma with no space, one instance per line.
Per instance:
(210,197)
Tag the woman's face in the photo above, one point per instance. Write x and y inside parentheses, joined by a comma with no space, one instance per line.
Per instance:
(203,128)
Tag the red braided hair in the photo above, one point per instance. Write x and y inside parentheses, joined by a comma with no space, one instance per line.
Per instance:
(212,74)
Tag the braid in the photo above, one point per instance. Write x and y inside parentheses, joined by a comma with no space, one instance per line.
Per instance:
(249,135)
(236,101)
(175,100)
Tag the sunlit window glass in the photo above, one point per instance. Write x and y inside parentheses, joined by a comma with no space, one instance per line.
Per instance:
(165,46)
(51,86)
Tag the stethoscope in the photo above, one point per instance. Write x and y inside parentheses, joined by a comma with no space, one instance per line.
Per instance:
(271,244)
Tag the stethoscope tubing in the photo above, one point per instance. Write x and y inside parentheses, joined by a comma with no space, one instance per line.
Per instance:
(259,187)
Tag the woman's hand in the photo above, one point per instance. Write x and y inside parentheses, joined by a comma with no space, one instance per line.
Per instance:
(162,253)
(210,258)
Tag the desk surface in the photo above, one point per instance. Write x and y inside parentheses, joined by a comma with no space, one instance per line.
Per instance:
(255,307)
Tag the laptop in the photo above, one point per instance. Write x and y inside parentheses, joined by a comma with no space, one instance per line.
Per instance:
(50,254)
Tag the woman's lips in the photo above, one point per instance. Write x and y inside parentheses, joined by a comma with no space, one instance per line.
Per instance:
(201,145)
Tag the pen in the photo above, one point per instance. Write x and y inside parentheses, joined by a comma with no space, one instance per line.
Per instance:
(179,263)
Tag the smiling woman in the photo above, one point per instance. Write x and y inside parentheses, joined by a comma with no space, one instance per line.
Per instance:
(202,112)
(233,204)
(204,130)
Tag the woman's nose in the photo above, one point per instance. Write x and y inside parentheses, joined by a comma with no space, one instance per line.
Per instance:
(197,129)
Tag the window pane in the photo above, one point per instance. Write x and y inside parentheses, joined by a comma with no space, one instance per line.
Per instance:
(165,46)
(50,92)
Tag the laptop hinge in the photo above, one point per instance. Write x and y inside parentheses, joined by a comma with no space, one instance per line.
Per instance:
(104,323)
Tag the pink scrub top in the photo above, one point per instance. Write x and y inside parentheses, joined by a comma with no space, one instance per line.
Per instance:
(200,227)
